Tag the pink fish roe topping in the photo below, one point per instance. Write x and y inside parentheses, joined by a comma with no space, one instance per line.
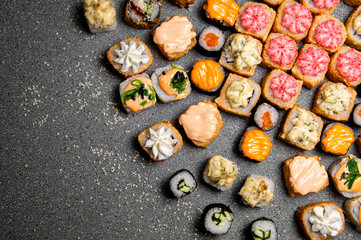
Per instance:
(282,50)
(297,18)
(349,65)
(284,87)
(254,19)
(329,4)
(313,61)
(329,34)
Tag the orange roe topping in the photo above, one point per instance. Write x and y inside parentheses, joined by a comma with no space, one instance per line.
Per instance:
(256,145)
(359,112)
(267,122)
(206,75)
(222,10)
(211,39)
(338,139)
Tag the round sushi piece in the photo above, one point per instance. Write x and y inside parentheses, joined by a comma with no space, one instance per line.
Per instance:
(357,115)
(262,229)
(211,41)
(171,83)
(217,218)
(266,117)
(337,138)
(207,75)
(182,183)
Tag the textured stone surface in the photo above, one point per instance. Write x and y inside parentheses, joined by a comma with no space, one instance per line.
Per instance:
(71,167)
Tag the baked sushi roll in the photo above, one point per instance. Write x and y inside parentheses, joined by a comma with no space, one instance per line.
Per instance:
(353,211)
(272,3)
(241,54)
(239,95)
(353,29)
(223,12)
(182,183)
(320,220)
(337,138)
(320,6)
(293,20)
(255,144)
(327,32)
(358,144)
(311,65)
(279,51)
(183,3)
(217,218)
(263,229)
(301,128)
(160,141)
(100,15)
(357,115)
(345,67)
(266,117)
(353,3)
(281,89)
(202,123)
(255,19)
(137,93)
(346,176)
(207,75)
(304,174)
(130,57)
(143,14)
(257,191)
(175,37)
(220,172)
(334,101)
(211,41)
(171,83)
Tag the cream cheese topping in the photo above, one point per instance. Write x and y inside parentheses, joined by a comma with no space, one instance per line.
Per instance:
(304,129)
(239,92)
(221,171)
(161,143)
(99,13)
(357,24)
(335,99)
(256,191)
(130,56)
(326,220)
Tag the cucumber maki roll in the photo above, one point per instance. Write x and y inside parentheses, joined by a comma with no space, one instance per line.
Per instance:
(182,183)
(217,218)
(262,229)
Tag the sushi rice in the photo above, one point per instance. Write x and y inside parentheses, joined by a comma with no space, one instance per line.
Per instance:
(218,218)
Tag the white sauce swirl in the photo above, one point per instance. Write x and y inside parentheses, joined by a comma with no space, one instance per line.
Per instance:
(161,142)
(326,221)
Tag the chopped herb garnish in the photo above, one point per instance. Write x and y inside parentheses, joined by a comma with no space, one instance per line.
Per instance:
(175,66)
(143,103)
(351,174)
(179,82)
(138,90)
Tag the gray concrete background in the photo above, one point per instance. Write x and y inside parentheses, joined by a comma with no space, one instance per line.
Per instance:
(71,167)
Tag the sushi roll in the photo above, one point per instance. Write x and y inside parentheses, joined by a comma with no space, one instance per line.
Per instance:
(337,138)
(100,15)
(223,12)
(220,172)
(266,117)
(207,75)
(353,28)
(353,211)
(183,3)
(171,83)
(143,14)
(211,41)
(263,229)
(217,218)
(137,93)
(320,6)
(182,183)
(255,144)
(357,115)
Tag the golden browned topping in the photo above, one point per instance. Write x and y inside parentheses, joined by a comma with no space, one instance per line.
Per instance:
(221,171)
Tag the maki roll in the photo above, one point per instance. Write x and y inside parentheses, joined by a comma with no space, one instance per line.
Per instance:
(217,218)
(266,117)
(262,229)
(171,83)
(211,41)
(357,115)
(182,183)
(143,14)
(100,15)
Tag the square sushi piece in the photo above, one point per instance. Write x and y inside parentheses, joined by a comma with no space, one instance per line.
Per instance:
(327,32)
(320,220)
(255,19)
(257,191)
(334,101)
(320,6)
(241,54)
(279,51)
(345,67)
(143,14)
(293,20)
(301,128)
(100,15)
(281,89)
(220,172)
(160,141)
(311,65)
(175,37)
(202,123)
(353,29)
(337,138)
(304,174)
(239,95)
